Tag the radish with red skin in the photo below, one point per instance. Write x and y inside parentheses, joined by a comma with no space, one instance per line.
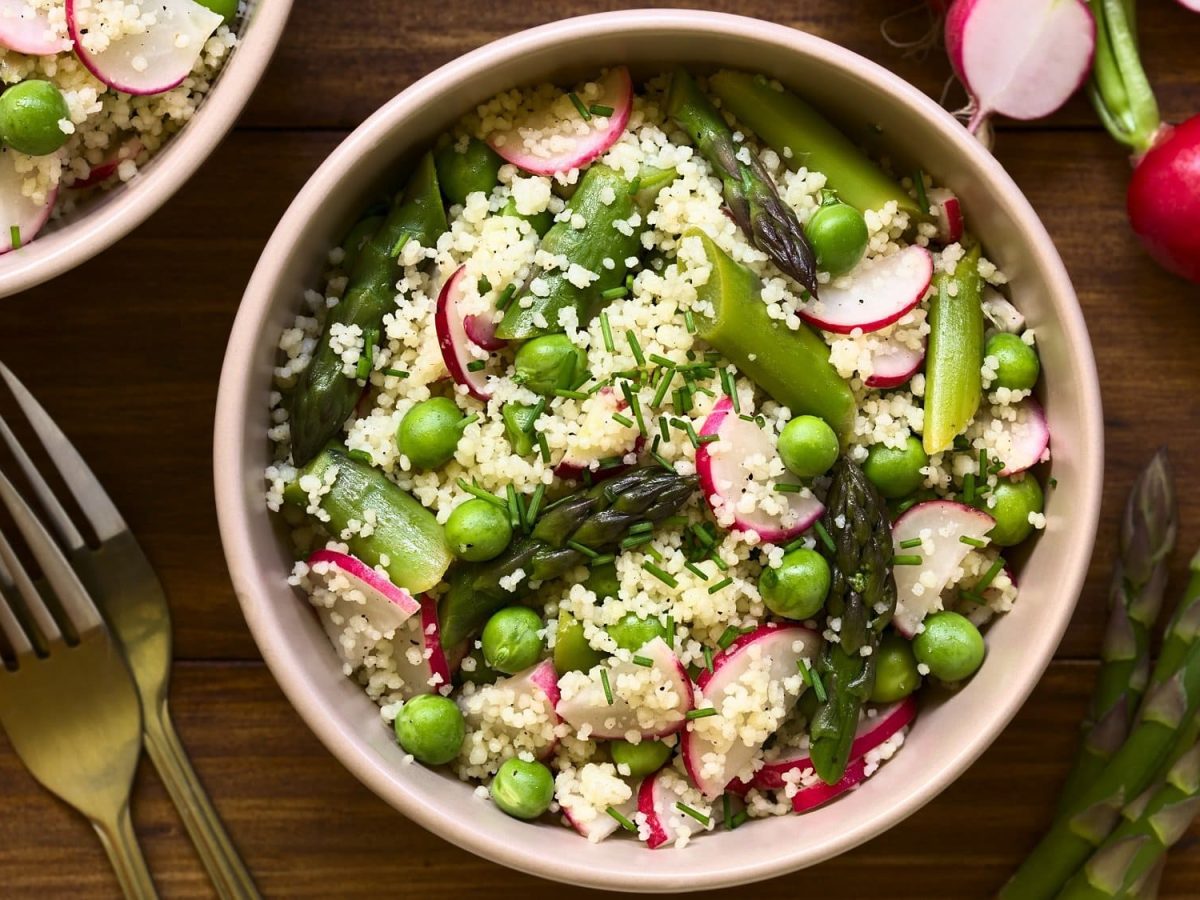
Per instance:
(18,211)
(1163,202)
(872,731)
(947,214)
(572,150)
(947,522)
(28,30)
(783,646)
(1193,5)
(724,477)
(658,800)
(386,606)
(1019,58)
(598,419)
(604,824)
(453,340)
(894,364)
(426,639)
(107,167)
(879,292)
(480,329)
(819,793)
(539,680)
(1030,436)
(152,61)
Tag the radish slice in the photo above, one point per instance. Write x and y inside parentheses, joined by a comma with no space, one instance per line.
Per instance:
(1020,58)
(16,210)
(481,331)
(420,661)
(1028,437)
(712,761)
(28,30)
(595,823)
(107,167)
(386,606)
(893,365)
(947,214)
(555,138)
(518,708)
(871,732)
(1002,314)
(598,420)
(941,525)
(453,341)
(649,700)
(880,291)
(731,466)
(1193,5)
(819,793)
(659,798)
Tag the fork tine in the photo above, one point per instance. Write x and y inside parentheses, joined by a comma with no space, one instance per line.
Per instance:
(70,592)
(58,516)
(10,626)
(84,485)
(34,604)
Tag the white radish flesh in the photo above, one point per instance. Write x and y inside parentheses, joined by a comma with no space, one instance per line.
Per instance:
(599,823)
(456,346)
(20,217)
(947,214)
(28,30)
(878,292)
(1002,314)
(385,605)
(1025,438)
(659,800)
(941,526)
(894,364)
(417,651)
(729,467)
(598,420)
(152,61)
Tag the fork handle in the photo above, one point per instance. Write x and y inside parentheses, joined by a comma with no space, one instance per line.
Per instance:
(220,858)
(121,844)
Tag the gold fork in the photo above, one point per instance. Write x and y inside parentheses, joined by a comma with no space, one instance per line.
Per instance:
(120,579)
(68,703)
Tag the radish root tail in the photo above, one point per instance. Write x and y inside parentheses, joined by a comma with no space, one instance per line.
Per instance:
(920,46)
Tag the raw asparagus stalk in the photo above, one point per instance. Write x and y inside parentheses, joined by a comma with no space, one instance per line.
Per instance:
(324,396)
(791,365)
(862,595)
(750,194)
(803,137)
(1170,705)
(953,380)
(1147,537)
(596,520)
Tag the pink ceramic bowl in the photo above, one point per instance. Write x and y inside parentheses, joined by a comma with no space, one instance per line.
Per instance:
(106,218)
(949,735)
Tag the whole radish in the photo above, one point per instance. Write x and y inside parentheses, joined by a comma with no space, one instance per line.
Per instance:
(1163,203)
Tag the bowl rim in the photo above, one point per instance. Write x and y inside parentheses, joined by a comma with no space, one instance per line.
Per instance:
(233,500)
(167,171)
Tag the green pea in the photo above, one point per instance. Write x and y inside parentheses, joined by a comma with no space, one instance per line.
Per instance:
(429,432)
(602,581)
(897,473)
(522,789)
(896,674)
(950,645)
(29,115)
(644,758)
(431,728)
(798,587)
(838,235)
(480,672)
(1017,363)
(518,426)
(224,8)
(808,446)
(478,530)
(541,222)
(477,168)
(632,632)
(572,652)
(356,238)
(1014,501)
(548,363)
(512,639)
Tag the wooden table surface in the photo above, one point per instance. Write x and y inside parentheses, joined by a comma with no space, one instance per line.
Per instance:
(125,352)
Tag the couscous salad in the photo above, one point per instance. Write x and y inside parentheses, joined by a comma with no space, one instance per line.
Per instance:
(652,448)
(91,90)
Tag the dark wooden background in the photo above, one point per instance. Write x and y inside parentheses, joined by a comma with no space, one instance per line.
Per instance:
(125,352)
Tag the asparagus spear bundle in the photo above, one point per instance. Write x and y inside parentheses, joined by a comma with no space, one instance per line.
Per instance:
(592,522)
(1147,536)
(862,595)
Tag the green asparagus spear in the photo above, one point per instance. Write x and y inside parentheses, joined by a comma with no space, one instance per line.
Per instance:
(953,380)
(356,238)
(1169,707)
(405,533)
(803,137)
(750,194)
(596,519)
(862,594)
(464,172)
(324,397)
(1139,578)
(791,365)
(607,233)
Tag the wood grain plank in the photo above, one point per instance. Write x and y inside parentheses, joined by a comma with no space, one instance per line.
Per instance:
(339,62)
(126,351)
(308,829)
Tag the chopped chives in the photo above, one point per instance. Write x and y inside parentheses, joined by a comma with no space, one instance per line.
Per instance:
(689,321)
(696,570)
(1052,483)
(362,456)
(521,513)
(723,583)
(538,409)
(367,359)
(543,447)
(919,184)
(597,109)
(395,373)
(399,245)
(740,819)
(674,521)
(514,511)
(635,185)
(663,461)
(606,329)
(691,432)
(720,563)
(578,104)
(664,384)
(476,365)
(728,636)
(972,541)
(661,575)
(703,536)
(654,554)
(969,487)
(608,694)
(727,809)
(787,487)
(698,816)
(621,820)
(14,237)
(702,713)
(570,395)
(643,661)
(615,293)
(990,574)
(983,461)
(483,284)
(469,420)
(794,545)
(819,527)
(660,360)
(664,429)
(683,401)
(910,543)
(636,540)
(603,560)
(535,505)
(641,528)
(813,678)
(669,628)
(506,297)
(635,404)
(476,491)
(907,559)
(629,283)
(635,347)
(583,548)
